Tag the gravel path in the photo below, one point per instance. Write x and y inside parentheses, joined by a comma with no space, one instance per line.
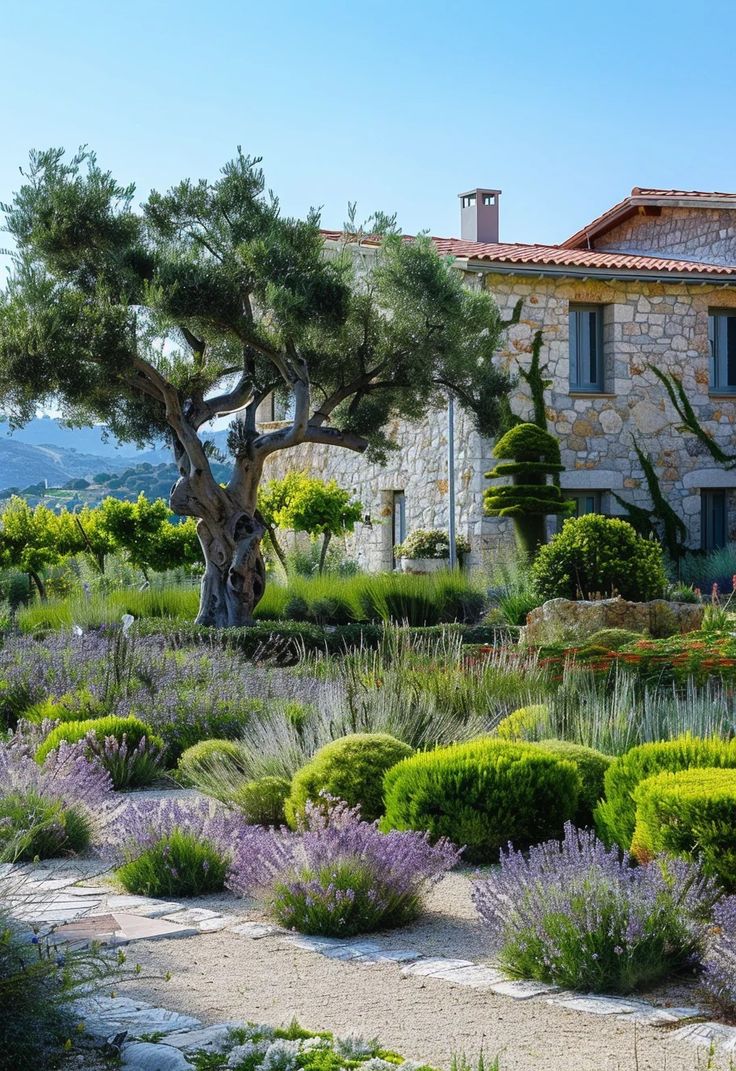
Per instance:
(221,976)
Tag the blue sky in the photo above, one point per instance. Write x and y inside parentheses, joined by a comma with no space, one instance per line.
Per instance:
(398,105)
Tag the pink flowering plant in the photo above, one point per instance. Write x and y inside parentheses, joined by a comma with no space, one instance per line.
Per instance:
(578,915)
(173,848)
(337,875)
(51,809)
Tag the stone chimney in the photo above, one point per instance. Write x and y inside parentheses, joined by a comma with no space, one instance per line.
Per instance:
(479,215)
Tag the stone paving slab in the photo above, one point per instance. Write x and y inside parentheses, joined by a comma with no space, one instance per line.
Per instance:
(145,1056)
(435,966)
(104,1016)
(595,1004)
(255,930)
(143,905)
(522,990)
(707,1034)
(208,1038)
(119,927)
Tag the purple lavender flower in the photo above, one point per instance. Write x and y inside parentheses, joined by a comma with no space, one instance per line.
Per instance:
(138,826)
(338,874)
(719,963)
(577,914)
(67,775)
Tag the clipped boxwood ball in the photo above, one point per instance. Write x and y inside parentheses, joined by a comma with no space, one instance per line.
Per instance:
(351,769)
(200,758)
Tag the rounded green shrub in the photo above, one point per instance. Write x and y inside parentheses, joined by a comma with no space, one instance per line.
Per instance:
(199,759)
(526,723)
(595,555)
(262,800)
(36,827)
(691,814)
(351,769)
(615,816)
(483,794)
(612,639)
(591,766)
(76,706)
(133,729)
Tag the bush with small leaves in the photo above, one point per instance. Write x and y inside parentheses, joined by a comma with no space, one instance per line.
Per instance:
(526,723)
(591,766)
(594,556)
(689,814)
(483,794)
(615,815)
(125,747)
(262,800)
(351,769)
(199,759)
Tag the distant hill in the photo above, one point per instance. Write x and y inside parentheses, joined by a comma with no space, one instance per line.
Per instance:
(45,452)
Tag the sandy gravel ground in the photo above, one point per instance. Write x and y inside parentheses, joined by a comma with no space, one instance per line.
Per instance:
(220,976)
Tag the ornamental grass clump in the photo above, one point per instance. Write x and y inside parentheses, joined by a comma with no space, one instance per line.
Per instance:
(576,914)
(48,810)
(337,875)
(173,848)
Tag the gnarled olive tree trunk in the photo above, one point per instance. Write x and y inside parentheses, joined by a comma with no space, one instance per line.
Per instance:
(230,531)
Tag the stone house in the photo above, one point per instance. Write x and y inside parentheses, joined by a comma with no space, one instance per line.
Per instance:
(652,281)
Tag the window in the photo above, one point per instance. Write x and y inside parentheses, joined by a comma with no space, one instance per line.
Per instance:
(585,502)
(722,339)
(586,347)
(713,520)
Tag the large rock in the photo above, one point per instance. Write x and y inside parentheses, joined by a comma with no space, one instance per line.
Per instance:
(571,621)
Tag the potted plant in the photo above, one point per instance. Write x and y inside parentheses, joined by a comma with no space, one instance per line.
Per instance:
(428,551)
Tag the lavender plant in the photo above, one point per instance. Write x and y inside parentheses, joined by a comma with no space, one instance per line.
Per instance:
(578,915)
(719,962)
(129,765)
(173,848)
(338,875)
(51,809)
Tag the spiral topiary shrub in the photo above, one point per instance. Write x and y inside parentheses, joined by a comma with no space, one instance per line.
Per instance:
(591,766)
(594,556)
(615,816)
(528,454)
(483,794)
(351,769)
(691,814)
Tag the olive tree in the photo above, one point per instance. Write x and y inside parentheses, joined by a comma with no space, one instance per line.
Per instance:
(206,300)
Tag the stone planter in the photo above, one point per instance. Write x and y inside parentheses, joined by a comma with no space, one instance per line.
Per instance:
(422,565)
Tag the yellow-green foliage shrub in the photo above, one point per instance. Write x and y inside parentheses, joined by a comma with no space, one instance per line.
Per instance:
(526,723)
(199,759)
(615,816)
(591,766)
(351,769)
(690,814)
(483,794)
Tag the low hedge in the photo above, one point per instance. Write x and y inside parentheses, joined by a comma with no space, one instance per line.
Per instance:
(483,794)
(350,768)
(72,731)
(690,814)
(615,816)
(591,766)
(306,636)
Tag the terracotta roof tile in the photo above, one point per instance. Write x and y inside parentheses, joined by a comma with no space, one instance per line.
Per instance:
(550,256)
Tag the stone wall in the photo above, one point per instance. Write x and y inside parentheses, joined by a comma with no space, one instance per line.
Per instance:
(644,323)
(706,234)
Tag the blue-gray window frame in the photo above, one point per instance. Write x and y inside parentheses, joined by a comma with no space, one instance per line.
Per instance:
(713,518)
(586,346)
(722,344)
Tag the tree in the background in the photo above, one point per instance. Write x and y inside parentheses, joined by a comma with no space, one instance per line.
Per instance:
(29,540)
(205,302)
(527,454)
(84,531)
(143,530)
(303,503)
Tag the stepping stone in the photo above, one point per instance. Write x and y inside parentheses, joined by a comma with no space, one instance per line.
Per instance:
(255,930)
(219,922)
(313,944)
(397,955)
(104,1016)
(431,966)
(707,1034)
(209,1038)
(191,916)
(144,1056)
(522,990)
(477,976)
(653,1016)
(54,913)
(143,905)
(122,928)
(595,1004)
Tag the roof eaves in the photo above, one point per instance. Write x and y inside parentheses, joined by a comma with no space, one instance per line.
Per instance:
(580,271)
